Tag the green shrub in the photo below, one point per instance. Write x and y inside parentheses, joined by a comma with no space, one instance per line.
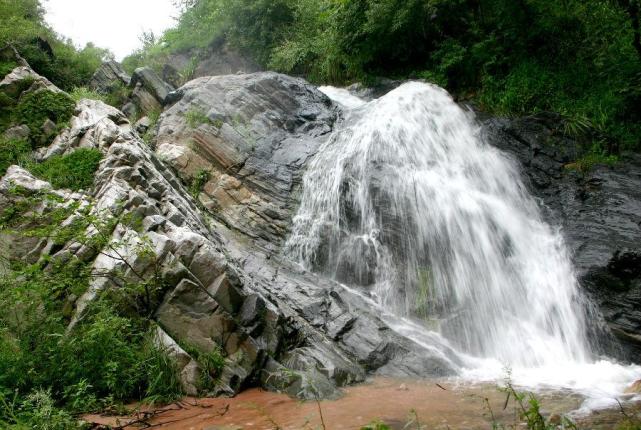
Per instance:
(74,171)
(13,152)
(6,67)
(575,58)
(35,108)
(198,182)
(117,96)
(196,117)
(108,357)
(22,23)
(211,364)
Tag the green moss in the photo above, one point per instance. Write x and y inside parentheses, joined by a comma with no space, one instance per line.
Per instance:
(35,108)
(74,171)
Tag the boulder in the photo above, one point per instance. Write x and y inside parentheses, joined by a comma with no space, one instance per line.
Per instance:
(18,132)
(149,91)
(634,388)
(109,76)
(142,125)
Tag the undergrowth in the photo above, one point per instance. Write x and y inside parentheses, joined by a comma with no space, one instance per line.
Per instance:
(35,108)
(51,371)
(74,171)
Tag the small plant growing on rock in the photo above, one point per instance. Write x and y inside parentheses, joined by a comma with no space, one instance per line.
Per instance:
(196,118)
(197,184)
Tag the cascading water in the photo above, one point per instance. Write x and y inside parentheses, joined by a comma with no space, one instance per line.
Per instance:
(407,203)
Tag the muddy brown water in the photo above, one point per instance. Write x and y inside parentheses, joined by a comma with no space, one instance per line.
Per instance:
(431,404)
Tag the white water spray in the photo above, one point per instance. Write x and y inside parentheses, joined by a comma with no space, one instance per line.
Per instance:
(406,202)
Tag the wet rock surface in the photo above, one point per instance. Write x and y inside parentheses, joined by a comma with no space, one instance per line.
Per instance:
(223,289)
(598,209)
(250,137)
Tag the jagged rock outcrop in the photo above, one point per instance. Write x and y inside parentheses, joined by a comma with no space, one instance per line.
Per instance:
(15,82)
(109,76)
(599,210)
(276,325)
(148,91)
(250,136)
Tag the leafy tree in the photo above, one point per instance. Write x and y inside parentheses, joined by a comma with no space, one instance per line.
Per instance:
(22,25)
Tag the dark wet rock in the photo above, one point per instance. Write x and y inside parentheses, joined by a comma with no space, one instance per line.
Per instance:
(599,211)
(252,134)
(109,76)
(376,89)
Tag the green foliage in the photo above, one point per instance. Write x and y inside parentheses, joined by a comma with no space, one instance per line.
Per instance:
(118,95)
(577,58)
(528,410)
(110,356)
(79,93)
(35,108)
(150,134)
(6,67)
(630,424)
(22,24)
(588,161)
(196,117)
(36,411)
(198,182)
(211,364)
(74,171)
(13,152)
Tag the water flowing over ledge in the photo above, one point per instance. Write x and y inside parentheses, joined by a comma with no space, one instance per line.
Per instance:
(410,208)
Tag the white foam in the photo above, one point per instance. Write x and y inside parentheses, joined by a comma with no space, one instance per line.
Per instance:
(497,280)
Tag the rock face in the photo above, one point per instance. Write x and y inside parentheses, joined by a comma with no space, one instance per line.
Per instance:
(149,91)
(249,136)
(108,77)
(599,211)
(218,59)
(14,83)
(276,325)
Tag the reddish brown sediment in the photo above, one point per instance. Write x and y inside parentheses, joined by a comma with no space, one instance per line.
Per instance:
(438,405)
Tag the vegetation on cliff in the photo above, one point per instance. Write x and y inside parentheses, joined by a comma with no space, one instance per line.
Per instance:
(581,59)
(22,24)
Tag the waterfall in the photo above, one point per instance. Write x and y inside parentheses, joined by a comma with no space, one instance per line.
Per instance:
(408,203)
